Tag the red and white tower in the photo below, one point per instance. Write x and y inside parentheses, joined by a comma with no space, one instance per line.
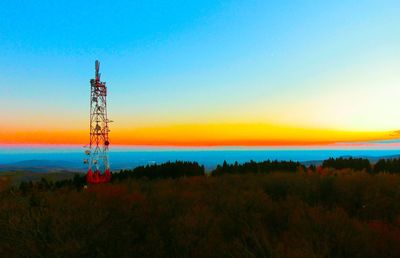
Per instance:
(99,167)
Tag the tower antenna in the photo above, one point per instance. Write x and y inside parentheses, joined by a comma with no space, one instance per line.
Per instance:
(98,162)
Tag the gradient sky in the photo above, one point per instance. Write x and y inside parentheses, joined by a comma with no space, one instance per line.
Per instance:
(201,73)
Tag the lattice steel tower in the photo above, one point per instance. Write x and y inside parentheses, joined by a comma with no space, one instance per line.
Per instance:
(98,162)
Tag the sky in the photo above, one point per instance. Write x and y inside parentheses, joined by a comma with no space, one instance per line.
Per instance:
(202,73)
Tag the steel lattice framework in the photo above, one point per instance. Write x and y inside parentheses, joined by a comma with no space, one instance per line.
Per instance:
(98,162)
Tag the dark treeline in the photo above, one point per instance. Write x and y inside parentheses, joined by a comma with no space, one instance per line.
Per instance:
(359,164)
(258,167)
(78,181)
(348,163)
(166,170)
(387,165)
(161,171)
(179,169)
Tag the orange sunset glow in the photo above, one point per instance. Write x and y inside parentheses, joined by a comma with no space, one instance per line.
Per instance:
(201,135)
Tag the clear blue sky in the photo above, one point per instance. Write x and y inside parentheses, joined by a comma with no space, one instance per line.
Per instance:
(322,64)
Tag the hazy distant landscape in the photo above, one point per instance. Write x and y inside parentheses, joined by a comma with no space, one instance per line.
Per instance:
(72,159)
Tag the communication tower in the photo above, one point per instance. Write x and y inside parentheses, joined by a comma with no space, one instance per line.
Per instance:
(97,152)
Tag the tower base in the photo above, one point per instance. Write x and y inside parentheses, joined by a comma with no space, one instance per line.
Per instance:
(97,178)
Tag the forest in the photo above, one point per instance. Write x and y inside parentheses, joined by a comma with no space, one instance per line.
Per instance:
(344,208)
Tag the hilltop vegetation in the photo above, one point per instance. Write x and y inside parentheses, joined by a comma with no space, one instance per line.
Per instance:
(250,210)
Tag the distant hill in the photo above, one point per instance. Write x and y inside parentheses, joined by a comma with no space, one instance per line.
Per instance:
(41,166)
